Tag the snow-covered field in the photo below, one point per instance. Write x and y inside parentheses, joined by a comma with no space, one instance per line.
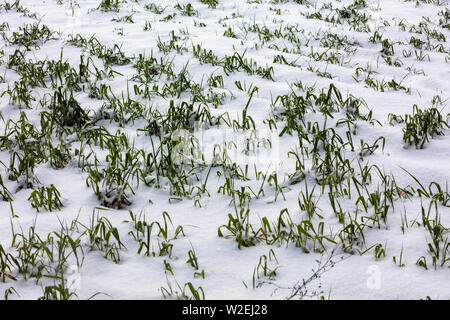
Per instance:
(224,149)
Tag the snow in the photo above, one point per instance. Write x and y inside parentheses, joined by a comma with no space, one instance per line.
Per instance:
(226,266)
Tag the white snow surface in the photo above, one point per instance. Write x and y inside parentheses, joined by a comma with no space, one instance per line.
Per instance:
(226,266)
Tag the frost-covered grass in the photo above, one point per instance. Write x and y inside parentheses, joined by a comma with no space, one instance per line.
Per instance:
(219,149)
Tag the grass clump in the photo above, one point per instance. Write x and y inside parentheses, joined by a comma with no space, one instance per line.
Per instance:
(422,125)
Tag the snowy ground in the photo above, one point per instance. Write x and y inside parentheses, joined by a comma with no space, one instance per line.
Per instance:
(248,139)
